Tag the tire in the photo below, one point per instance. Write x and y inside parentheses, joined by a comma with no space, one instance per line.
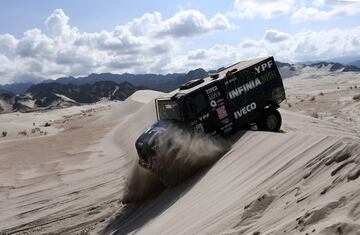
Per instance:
(270,120)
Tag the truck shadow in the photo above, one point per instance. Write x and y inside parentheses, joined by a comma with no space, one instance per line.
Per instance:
(135,216)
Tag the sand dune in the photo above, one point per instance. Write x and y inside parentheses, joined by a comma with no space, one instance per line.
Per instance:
(304,179)
(264,183)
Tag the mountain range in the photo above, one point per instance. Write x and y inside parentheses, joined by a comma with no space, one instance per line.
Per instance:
(159,82)
(356,63)
(166,82)
(55,95)
(69,91)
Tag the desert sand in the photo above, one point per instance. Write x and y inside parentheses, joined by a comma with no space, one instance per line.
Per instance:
(72,180)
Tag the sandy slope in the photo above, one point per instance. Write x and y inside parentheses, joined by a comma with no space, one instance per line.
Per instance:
(13,123)
(68,180)
(48,181)
(326,97)
(264,183)
(304,179)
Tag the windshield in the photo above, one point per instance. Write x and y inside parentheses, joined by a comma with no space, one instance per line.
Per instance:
(168,109)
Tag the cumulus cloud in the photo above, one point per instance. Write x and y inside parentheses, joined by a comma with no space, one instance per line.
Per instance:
(263,8)
(183,24)
(192,23)
(35,44)
(276,36)
(142,45)
(57,24)
(325,10)
(302,46)
(151,43)
(298,11)
(7,43)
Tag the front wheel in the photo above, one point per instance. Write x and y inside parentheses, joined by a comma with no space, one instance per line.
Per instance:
(270,120)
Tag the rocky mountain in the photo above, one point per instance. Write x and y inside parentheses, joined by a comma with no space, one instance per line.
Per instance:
(345,60)
(68,91)
(56,95)
(289,70)
(355,63)
(170,82)
(16,88)
(158,82)
(3,91)
(336,67)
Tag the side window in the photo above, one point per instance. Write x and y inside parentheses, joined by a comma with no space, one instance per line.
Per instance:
(196,105)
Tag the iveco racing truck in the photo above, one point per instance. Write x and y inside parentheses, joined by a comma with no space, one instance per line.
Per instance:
(245,93)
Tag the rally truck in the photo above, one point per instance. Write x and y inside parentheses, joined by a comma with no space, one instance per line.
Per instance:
(246,93)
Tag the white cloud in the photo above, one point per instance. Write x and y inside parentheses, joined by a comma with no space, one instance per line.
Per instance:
(299,11)
(7,43)
(57,24)
(302,46)
(263,8)
(6,65)
(325,10)
(275,36)
(35,44)
(145,44)
(151,44)
(146,24)
(183,24)
(192,23)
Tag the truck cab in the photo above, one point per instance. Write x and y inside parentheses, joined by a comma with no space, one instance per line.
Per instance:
(202,110)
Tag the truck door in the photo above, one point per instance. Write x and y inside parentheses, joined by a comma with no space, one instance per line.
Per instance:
(219,111)
(207,111)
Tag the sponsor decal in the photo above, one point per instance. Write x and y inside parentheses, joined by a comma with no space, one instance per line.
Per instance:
(268,76)
(228,127)
(213,92)
(199,128)
(245,110)
(244,88)
(213,103)
(264,66)
(220,102)
(221,112)
(225,121)
(202,118)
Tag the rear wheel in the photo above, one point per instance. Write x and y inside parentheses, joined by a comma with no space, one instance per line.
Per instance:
(270,120)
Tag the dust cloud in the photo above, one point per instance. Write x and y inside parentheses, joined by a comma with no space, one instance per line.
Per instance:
(180,154)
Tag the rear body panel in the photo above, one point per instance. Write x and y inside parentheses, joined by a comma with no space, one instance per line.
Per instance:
(249,90)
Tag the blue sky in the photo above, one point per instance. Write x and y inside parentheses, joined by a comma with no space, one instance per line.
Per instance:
(48,39)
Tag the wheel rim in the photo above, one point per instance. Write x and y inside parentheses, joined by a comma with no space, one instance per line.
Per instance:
(271,122)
